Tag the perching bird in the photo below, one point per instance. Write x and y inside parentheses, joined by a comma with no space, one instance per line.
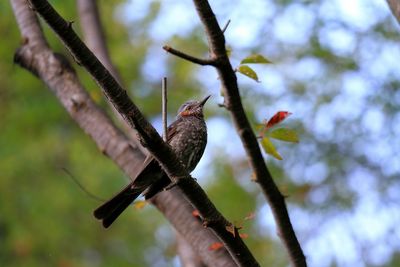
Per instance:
(187,136)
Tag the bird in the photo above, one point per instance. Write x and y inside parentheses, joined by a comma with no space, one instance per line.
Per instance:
(187,136)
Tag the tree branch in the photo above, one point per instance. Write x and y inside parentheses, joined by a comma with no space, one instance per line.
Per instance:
(147,134)
(94,34)
(54,70)
(36,56)
(200,61)
(395,8)
(186,254)
(233,103)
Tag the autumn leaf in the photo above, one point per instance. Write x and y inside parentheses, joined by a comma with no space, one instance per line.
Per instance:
(249,72)
(140,204)
(255,59)
(277,118)
(215,246)
(231,229)
(250,216)
(269,148)
(284,134)
(196,213)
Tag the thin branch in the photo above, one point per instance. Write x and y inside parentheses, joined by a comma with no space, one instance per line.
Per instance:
(226,26)
(147,134)
(81,187)
(164,108)
(200,61)
(233,103)
(395,8)
(54,70)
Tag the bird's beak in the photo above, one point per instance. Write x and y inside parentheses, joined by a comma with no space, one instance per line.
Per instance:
(204,100)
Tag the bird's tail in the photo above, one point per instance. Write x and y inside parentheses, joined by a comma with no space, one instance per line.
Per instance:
(109,211)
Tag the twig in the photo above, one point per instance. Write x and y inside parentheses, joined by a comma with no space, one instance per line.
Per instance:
(164,108)
(200,61)
(226,26)
(147,134)
(87,192)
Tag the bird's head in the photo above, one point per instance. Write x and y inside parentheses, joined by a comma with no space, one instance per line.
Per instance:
(193,108)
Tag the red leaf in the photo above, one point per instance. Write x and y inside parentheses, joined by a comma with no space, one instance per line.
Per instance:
(215,246)
(196,213)
(277,118)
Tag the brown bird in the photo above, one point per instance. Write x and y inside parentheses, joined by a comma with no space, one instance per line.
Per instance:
(187,136)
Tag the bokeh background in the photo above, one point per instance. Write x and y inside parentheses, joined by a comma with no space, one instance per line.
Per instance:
(335,67)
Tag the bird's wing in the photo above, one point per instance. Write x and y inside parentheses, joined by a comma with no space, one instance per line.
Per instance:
(150,166)
(150,178)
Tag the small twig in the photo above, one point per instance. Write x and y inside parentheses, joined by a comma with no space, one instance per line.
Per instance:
(226,26)
(164,108)
(89,194)
(200,61)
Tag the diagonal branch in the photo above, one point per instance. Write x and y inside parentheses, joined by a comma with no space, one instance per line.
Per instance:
(36,56)
(395,8)
(95,39)
(200,61)
(233,103)
(147,134)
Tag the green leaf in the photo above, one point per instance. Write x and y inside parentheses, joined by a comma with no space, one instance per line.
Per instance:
(249,72)
(284,134)
(255,59)
(269,148)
